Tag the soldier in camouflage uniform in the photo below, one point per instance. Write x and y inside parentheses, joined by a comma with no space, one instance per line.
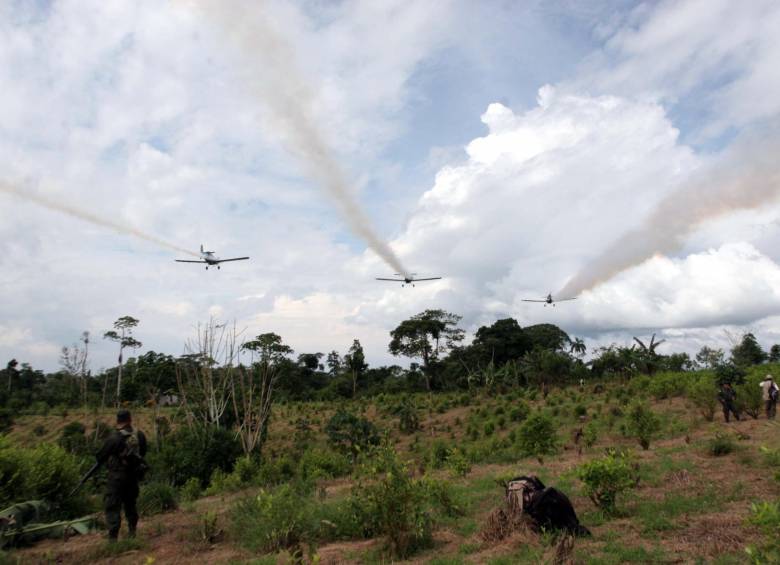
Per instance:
(123,454)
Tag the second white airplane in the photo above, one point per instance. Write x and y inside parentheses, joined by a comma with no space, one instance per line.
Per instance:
(210,259)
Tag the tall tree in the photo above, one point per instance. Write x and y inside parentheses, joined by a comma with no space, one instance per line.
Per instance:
(123,335)
(253,388)
(355,361)
(748,352)
(774,353)
(425,336)
(501,342)
(577,347)
(648,359)
(709,358)
(334,363)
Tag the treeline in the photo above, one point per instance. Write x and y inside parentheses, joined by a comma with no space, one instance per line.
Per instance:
(503,355)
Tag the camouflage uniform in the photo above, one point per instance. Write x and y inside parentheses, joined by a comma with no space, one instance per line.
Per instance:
(122,484)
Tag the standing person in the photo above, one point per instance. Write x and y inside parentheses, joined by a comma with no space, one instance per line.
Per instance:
(123,454)
(769,392)
(727,396)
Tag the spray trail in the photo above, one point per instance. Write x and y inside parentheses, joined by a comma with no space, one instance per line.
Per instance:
(292,104)
(747,178)
(74,212)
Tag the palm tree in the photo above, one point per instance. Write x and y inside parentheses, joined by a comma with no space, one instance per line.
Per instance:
(577,347)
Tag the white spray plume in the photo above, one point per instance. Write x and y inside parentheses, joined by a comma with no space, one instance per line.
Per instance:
(74,212)
(292,102)
(747,177)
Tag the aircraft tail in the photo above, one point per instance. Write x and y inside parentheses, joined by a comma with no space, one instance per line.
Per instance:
(201,248)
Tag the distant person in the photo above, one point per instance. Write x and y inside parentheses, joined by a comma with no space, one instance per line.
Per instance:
(123,454)
(769,392)
(727,396)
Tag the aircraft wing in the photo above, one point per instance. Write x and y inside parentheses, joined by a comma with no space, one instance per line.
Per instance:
(394,280)
(564,299)
(233,259)
(427,279)
(526,300)
(187,261)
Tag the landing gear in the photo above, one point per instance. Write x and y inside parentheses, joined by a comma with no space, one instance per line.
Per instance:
(207,268)
(217,267)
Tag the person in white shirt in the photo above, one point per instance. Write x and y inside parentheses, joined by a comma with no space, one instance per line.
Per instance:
(769,392)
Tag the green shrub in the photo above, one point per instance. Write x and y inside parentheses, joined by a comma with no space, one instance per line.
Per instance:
(155,498)
(45,472)
(73,439)
(408,420)
(351,434)
(6,420)
(519,411)
(488,429)
(457,462)
(190,490)
(318,463)
(194,452)
(721,444)
(643,424)
(392,504)
(438,455)
(703,393)
(580,410)
(766,517)
(590,434)
(606,478)
(537,436)
(39,430)
(274,520)
(749,396)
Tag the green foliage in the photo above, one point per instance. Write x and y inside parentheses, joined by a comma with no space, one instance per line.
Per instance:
(318,463)
(191,490)
(438,455)
(275,520)
(195,452)
(766,516)
(457,462)
(668,385)
(6,420)
(157,497)
(749,395)
(45,472)
(351,434)
(590,434)
(519,411)
(721,444)
(488,429)
(73,439)
(605,479)
(537,436)
(408,420)
(703,393)
(643,424)
(392,504)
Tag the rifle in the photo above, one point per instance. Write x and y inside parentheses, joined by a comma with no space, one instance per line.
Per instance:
(85,478)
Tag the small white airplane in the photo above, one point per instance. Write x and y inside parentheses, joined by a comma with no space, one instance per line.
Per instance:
(408,279)
(210,259)
(549,300)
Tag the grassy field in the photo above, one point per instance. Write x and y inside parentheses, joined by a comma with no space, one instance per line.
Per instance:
(689,505)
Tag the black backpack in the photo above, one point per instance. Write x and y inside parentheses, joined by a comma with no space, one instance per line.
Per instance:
(548,507)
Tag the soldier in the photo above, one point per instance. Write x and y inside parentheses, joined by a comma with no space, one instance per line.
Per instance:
(123,453)
(727,396)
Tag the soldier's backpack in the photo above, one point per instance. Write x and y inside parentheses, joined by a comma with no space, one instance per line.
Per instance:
(549,508)
(130,457)
(773,392)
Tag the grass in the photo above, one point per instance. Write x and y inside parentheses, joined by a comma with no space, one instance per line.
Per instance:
(108,550)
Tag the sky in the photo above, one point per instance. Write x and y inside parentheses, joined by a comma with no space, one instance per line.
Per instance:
(511,147)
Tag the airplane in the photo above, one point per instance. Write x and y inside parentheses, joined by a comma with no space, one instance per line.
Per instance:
(408,279)
(549,300)
(210,259)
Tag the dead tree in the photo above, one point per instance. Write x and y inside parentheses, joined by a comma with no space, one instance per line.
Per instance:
(206,371)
